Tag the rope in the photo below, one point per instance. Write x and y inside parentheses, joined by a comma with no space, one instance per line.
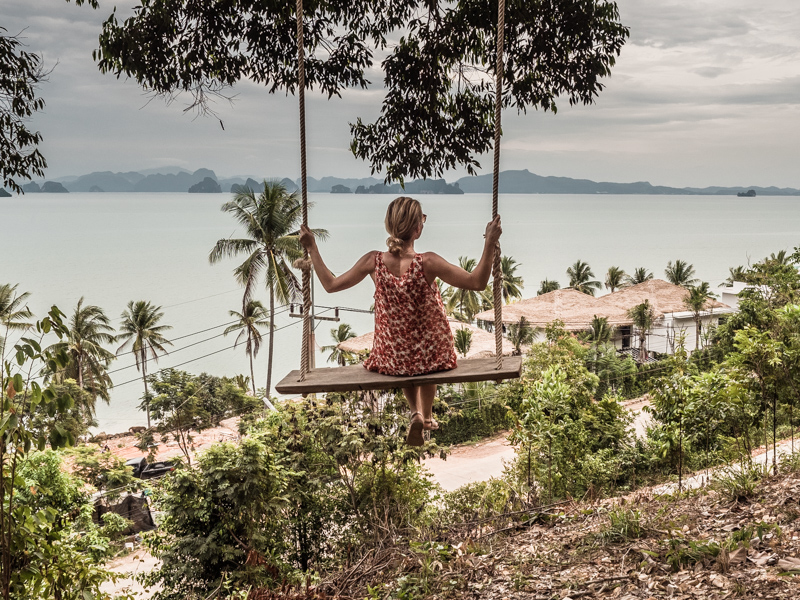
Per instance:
(497,274)
(301,83)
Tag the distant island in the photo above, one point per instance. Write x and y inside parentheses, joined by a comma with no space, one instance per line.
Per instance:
(4,193)
(176,179)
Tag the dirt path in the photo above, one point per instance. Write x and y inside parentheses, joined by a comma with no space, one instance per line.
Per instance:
(475,462)
(139,561)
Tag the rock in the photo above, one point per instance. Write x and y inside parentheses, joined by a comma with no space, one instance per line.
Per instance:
(96,188)
(207,186)
(53,187)
(341,189)
(252,184)
(137,429)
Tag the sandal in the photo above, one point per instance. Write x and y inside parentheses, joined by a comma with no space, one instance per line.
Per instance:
(431,424)
(415,427)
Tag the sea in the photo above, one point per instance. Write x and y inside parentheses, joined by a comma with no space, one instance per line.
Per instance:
(114,248)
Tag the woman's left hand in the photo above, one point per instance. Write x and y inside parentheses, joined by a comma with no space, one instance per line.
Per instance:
(307,238)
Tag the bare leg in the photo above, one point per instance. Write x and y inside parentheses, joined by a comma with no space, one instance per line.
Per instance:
(414,437)
(426,395)
(412,397)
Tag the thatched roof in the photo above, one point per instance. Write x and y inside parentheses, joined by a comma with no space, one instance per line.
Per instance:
(568,305)
(577,309)
(482,342)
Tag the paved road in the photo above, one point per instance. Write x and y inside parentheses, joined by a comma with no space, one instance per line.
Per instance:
(476,462)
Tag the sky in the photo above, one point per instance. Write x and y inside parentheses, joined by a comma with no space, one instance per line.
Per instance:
(705,92)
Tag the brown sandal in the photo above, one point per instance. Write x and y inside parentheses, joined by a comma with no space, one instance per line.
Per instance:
(415,427)
(431,424)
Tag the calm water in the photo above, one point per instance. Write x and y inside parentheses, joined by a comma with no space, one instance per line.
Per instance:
(113,248)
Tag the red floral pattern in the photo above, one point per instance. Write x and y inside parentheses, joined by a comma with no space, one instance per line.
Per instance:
(412,335)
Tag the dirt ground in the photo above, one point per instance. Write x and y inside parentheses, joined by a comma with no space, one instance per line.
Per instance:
(475,462)
(127,567)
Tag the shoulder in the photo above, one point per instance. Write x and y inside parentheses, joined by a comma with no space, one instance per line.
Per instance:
(369,259)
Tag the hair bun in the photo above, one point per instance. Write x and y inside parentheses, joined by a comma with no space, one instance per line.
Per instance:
(395,244)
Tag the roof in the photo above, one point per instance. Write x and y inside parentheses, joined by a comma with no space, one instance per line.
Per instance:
(482,346)
(577,309)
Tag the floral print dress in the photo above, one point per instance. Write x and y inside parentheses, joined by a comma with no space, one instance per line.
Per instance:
(412,335)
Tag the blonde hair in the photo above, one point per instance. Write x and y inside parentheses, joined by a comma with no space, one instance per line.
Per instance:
(403,217)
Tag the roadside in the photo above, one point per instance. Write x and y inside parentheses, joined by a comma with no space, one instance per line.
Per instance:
(128,567)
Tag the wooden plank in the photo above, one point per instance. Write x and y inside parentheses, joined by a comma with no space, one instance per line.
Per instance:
(357,378)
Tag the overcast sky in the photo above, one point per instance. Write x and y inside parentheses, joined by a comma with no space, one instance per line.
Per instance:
(706,92)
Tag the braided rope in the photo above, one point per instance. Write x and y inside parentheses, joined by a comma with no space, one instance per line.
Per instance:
(497,273)
(301,85)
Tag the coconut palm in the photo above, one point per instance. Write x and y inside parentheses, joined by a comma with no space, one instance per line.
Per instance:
(462,340)
(13,312)
(548,285)
(89,329)
(468,302)
(271,221)
(615,276)
(580,278)
(248,323)
(781,258)
(512,283)
(340,334)
(681,273)
(640,275)
(735,274)
(643,316)
(520,334)
(600,331)
(696,301)
(140,331)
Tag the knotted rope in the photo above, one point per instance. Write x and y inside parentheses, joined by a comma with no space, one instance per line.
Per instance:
(497,273)
(305,357)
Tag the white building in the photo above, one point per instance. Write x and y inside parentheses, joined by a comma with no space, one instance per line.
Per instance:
(576,310)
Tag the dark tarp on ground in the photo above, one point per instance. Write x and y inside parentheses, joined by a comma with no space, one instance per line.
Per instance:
(133,508)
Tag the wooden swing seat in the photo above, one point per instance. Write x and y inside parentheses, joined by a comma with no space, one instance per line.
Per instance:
(356,378)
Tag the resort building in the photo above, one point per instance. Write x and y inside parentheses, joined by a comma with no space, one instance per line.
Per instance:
(576,310)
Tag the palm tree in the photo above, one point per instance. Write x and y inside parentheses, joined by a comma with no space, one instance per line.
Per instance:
(735,274)
(512,283)
(249,321)
(520,334)
(614,278)
(781,258)
(141,333)
(467,302)
(681,273)
(696,301)
(340,334)
(89,329)
(272,244)
(640,275)
(548,285)
(643,316)
(13,312)
(600,331)
(462,340)
(580,278)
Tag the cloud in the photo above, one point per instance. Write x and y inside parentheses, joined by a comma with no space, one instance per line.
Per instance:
(711,72)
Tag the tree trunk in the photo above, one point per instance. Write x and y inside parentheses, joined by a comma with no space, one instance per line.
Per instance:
(271,338)
(250,354)
(146,394)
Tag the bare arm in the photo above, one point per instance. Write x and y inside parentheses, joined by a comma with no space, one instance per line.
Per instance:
(436,266)
(363,267)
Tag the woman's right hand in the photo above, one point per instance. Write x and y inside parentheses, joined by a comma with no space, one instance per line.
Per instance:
(493,231)
(307,239)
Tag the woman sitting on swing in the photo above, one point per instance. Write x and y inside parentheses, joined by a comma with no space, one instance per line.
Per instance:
(412,335)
